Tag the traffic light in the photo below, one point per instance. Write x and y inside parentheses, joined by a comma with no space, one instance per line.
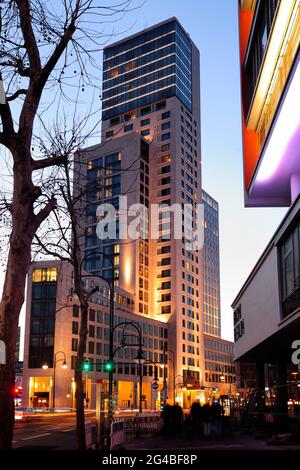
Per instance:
(87,366)
(108,366)
(17,391)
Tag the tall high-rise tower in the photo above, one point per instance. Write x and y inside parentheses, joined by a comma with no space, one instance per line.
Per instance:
(151,152)
(211,267)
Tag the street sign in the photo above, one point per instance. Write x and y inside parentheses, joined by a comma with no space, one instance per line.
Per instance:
(154,385)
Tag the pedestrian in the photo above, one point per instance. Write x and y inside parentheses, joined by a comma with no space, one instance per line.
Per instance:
(206,418)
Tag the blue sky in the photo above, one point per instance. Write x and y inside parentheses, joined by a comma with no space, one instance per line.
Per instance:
(243,232)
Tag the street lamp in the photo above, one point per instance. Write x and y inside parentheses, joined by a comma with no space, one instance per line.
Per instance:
(45,366)
(111,284)
(165,374)
(140,358)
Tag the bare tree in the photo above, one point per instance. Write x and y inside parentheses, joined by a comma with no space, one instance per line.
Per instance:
(62,234)
(44,47)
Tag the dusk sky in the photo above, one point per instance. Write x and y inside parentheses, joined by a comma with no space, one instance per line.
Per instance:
(243,232)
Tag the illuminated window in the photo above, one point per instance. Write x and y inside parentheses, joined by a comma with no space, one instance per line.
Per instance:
(165,159)
(89,165)
(114,72)
(44,275)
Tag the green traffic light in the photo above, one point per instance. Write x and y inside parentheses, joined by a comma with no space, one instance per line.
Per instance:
(108,366)
(87,366)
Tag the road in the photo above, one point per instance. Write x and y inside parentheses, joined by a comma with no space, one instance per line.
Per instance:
(47,432)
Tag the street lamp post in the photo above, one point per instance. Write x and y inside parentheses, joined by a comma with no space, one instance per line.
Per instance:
(180,384)
(139,358)
(64,366)
(111,284)
(165,374)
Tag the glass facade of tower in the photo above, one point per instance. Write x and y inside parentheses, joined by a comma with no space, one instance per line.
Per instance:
(104,186)
(151,66)
(211,267)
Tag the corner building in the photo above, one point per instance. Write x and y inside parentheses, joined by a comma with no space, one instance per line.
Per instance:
(267,307)
(151,101)
(52,335)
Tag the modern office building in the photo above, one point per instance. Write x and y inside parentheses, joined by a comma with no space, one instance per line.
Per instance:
(267,315)
(151,152)
(211,267)
(267,308)
(220,369)
(270,77)
(51,340)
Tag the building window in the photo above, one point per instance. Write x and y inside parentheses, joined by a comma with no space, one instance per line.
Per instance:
(91,347)
(115,121)
(144,111)
(99,316)
(44,275)
(74,344)
(92,314)
(166,115)
(166,309)
(128,128)
(166,285)
(160,105)
(145,132)
(91,331)
(145,122)
(165,148)
(166,297)
(109,134)
(99,333)
(259,42)
(165,159)
(73,362)
(165,136)
(290,272)
(165,125)
(165,192)
(75,328)
(75,311)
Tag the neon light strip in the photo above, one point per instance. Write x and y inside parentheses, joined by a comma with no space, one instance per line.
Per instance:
(142,96)
(148,53)
(141,76)
(145,84)
(148,42)
(286,125)
(144,65)
(135,47)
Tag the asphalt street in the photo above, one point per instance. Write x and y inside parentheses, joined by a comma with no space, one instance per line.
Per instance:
(48,432)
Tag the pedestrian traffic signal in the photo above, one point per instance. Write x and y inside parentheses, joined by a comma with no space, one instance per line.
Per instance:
(108,366)
(87,365)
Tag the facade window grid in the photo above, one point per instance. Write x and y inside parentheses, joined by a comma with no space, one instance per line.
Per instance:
(158,84)
(185,59)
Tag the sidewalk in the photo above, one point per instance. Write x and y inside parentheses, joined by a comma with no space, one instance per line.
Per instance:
(236,442)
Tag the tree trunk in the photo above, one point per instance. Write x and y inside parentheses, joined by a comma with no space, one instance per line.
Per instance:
(80,418)
(24,226)
(10,307)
